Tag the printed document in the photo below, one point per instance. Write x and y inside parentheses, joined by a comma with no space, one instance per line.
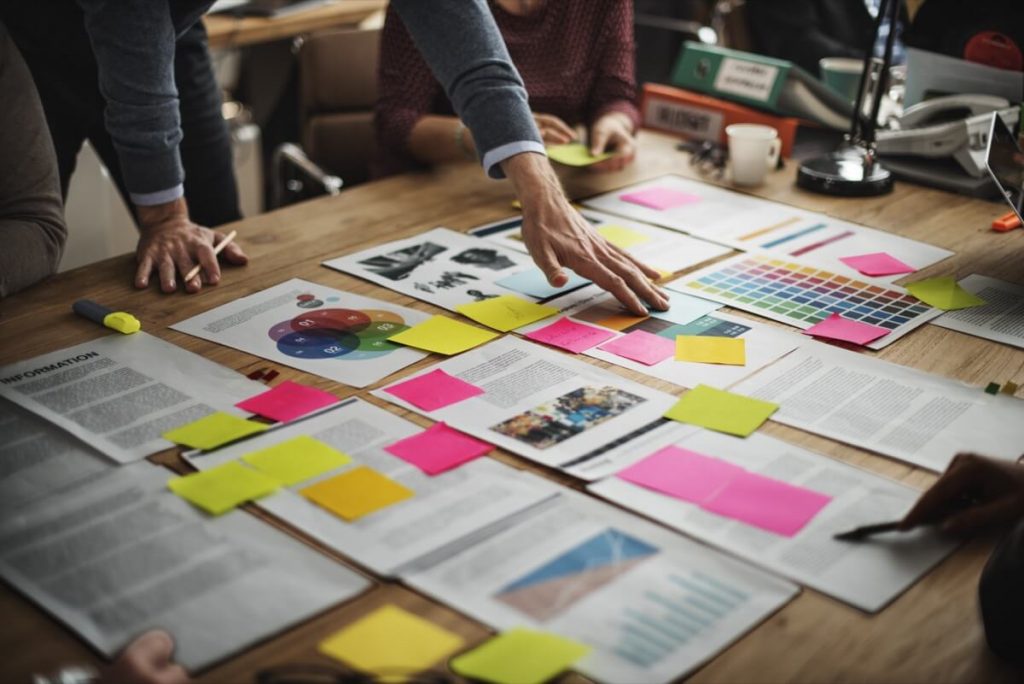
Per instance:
(121,392)
(548,407)
(867,575)
(1001,319)
(651,604)
(116,556)
(316,329)
(893,410)
(445,509)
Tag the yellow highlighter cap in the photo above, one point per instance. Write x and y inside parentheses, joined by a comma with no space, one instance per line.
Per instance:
(122,322)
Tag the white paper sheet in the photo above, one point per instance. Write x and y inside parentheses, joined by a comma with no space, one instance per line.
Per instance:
(119,555)
(867,575)
(896,411)
(548,407)
(1001,319)
(750,223)
(651,604)
(316,329)
(446,510)
(661,249)
(38,458)
(441,266)
(121,392)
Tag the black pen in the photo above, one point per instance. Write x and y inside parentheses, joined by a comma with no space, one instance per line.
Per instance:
(865,531)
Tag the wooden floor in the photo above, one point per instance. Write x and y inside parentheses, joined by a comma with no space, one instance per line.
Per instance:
(930,634)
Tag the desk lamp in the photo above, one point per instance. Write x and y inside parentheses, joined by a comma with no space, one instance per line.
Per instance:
(853,169)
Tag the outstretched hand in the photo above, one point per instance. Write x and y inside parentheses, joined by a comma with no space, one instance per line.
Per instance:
(147,660)
(613,132)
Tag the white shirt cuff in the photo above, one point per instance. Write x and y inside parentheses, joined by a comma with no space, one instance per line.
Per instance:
(493,158)
(148,199)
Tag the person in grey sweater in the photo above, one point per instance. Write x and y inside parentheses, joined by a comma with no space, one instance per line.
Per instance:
(32,230)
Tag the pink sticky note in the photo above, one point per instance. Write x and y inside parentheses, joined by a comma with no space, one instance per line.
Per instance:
(570,335)
(438,449)
(434,390)
(835,327)
(641,346)
(767,503)
(681,473)
(877,264)
(287,401)
(659,198)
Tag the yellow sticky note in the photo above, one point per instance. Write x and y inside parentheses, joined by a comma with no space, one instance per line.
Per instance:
(213,430)
(709,349)
(944,293)
(296,460)
(519,656)
(620,321)
(622,237)
(443,335)
(222,488)
(723,411)
(356,493)
(391,640)
(575,154)
(506,312)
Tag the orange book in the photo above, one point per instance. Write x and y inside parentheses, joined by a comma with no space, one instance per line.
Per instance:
(701,117)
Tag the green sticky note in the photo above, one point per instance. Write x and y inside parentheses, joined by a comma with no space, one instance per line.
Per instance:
(443,335)
(576,154)
(723,411)
(213,430)
(519,656)
(222,488)
(506,312)
(944,293)
(296,460)
(392,641)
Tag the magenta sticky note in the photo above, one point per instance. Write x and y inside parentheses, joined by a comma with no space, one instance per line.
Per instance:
(877,264)
(434,390)
(681,473)
(438,449)
(641,346)
(567,334)
(835,327)
(287,401)
(660,199)
(767,503)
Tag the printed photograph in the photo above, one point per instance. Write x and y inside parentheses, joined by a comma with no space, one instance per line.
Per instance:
(398,264)
(567,416)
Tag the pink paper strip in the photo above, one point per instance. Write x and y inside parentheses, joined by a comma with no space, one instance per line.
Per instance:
(660,199)
(438,449)
(835,327)
(287,401)
(766,503)
(570,335)
(682,473)
(877,264)
(641,346)
(434,390)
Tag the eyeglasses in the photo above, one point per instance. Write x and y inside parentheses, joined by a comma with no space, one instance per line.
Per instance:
(309,673)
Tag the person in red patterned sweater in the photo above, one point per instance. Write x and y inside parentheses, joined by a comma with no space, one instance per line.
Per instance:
(575,57)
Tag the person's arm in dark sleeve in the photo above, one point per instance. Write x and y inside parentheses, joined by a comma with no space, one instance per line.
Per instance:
(32,229)
(1001,597)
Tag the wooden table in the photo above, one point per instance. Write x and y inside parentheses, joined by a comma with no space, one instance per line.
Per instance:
(931,633)
(228,31)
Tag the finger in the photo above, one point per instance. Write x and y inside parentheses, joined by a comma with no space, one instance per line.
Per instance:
(166,269)
(547,262)
(652,273)
(983,516)
(143,271)
(559,127)
(154,648)
(638,282)
(175,674)
(208,260)
(604,278)
(183,262)
(599,140)
(234,254)
(553,136)
(946,495)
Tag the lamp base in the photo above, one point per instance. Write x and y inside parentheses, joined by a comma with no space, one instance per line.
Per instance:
(850,171)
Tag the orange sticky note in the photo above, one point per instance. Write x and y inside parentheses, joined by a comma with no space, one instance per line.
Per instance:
(620,321)
(356,493)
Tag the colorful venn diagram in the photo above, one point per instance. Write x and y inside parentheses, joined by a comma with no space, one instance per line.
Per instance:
(348,334)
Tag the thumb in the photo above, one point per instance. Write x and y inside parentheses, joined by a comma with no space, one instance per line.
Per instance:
(598,140)
(548,263)
(155,648)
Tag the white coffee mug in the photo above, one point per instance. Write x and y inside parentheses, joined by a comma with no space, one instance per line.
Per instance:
(753,150)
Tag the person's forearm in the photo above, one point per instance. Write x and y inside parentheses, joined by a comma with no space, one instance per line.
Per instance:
(441,139)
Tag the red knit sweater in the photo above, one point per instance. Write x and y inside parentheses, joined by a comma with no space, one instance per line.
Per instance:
(575,57)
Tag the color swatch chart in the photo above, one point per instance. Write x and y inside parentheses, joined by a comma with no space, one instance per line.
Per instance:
(801,294)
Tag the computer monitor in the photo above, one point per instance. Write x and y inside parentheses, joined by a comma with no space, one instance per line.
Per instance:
(1005,163)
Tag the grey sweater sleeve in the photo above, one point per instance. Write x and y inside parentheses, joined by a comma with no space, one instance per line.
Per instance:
(32,230)
(461,42)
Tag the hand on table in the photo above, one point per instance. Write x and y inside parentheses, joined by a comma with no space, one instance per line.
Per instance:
(553,131)
(170,242)
(974,493)
(613,132)
(557,236)
(147,660)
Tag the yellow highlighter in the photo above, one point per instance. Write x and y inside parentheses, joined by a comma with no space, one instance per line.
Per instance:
(120,321)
